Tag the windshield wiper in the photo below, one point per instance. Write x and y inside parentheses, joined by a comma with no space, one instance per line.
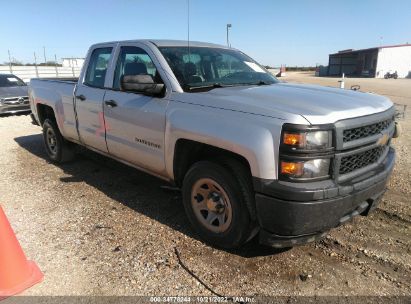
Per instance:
(259,83)
(205,87)
(215,85)
(263,83)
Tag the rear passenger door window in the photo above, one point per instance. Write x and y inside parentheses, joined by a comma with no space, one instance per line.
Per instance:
(134,61)
(97,67)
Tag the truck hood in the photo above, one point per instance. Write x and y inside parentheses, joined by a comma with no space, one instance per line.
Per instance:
(18,91)
(317,104)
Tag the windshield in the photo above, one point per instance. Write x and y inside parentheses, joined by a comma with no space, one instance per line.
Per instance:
(11,81)
(214,67)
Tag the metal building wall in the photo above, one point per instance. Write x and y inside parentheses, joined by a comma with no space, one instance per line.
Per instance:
(342,63)
(393,59)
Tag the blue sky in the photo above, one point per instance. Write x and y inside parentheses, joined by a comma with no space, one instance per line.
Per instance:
(272,32)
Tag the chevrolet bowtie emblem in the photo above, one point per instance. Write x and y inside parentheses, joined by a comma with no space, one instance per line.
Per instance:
(382,141)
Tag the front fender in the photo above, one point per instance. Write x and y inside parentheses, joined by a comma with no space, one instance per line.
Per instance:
(236,132)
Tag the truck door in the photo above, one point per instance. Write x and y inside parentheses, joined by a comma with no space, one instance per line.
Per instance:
(89,97)
(135,123)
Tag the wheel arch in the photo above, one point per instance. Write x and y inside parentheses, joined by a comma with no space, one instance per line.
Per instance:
(187,152)
(45,112)
(189,130)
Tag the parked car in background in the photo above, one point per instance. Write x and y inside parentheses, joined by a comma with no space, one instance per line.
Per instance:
(13,95)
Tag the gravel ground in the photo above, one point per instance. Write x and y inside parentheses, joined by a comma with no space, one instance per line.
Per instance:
(97,227)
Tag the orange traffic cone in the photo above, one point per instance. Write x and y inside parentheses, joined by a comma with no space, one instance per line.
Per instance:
(16,273)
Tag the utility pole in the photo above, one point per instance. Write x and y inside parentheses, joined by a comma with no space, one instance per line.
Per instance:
(228,40)
(44,52)
(10,65)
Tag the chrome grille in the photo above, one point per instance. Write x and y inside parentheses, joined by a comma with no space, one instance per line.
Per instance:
(366,131)
(16,100)
(357,161)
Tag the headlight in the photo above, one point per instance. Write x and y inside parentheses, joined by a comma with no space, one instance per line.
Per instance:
(314,168)
(307,140)
(306,152)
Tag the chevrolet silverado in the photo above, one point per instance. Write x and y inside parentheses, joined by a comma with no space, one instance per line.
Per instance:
(253,156)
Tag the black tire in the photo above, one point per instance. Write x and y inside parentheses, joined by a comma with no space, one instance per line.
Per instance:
(241,225)
(58,149)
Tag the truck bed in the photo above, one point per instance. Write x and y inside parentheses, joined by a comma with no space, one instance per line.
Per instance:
(58,94)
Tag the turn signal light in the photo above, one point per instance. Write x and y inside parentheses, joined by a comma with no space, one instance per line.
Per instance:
(294,139)
(293,169)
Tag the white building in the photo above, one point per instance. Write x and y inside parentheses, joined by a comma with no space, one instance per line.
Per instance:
(73,62)
(372,62)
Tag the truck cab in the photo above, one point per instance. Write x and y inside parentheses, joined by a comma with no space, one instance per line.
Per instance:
(251,155)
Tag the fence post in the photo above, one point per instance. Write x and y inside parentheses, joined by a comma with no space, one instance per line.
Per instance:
(10,64)
(55,64)
(35,65)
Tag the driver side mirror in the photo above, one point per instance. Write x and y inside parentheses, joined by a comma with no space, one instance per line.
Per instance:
(142,84)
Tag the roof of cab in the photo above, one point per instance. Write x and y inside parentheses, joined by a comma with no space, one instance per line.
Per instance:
(163,43)
(185,43)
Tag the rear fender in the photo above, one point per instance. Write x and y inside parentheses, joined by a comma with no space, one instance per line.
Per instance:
(40,93)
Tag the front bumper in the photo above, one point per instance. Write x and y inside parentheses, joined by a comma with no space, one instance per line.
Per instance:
(312,210)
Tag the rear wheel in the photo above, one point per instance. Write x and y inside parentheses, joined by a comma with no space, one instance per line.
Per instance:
(58,149)
(216,206)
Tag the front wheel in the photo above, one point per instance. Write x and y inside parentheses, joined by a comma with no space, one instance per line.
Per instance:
(58,149)
(216,205)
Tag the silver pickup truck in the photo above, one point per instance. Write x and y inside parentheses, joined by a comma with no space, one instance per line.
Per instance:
(252,155)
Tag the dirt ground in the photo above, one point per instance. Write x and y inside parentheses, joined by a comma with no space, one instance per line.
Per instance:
(96,227)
